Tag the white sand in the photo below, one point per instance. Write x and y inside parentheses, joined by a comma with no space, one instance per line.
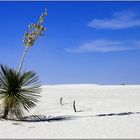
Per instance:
(91,100)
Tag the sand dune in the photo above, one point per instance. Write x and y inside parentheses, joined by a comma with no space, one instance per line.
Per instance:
(103,111)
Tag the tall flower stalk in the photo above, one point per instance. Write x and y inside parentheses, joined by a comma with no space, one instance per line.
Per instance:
(22,59)
(31,35)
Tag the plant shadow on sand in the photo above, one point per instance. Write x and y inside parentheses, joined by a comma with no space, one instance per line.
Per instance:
(41,118)
(117,114)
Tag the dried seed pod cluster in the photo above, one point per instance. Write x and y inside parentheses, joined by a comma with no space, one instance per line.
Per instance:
(35,31)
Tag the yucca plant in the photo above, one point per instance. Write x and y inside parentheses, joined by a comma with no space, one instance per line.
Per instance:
(20,90)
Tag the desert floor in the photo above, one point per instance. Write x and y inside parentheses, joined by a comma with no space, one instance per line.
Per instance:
(103,111)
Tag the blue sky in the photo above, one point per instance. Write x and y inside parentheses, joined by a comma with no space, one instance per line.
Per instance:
(86,42)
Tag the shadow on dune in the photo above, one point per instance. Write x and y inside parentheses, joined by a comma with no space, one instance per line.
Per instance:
(41,118)
(118,114)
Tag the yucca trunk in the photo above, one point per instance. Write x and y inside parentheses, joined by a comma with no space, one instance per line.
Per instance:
(6,112)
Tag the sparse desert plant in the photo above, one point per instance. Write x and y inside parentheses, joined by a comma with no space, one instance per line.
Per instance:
(74,107)
(61,100)
(20,90)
